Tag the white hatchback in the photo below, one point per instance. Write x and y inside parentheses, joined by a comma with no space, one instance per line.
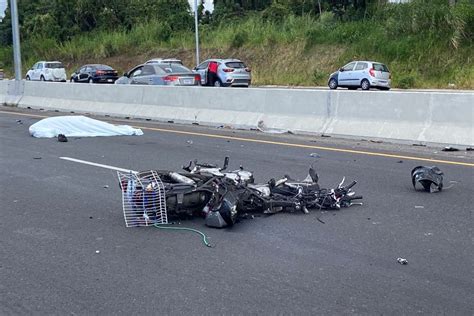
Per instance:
(47,71)
(361,74)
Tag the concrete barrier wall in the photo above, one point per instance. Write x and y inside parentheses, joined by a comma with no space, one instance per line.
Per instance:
(437,117)
(3,91)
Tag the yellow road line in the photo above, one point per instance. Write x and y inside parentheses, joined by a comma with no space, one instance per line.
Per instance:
(351,151)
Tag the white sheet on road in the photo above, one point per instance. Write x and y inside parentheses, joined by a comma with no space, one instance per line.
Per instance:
(79,126)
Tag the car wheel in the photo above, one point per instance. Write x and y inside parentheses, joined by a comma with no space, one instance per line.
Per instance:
(28,78)
(41,78)
(218,83)
(90,80)
(332,83)
(365,84)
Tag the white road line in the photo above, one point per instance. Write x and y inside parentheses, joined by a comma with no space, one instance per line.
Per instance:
(97,164)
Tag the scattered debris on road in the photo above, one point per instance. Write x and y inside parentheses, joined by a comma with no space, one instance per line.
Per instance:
(62,138)
(431,178)
(402,261)
(262,127)
(449,148)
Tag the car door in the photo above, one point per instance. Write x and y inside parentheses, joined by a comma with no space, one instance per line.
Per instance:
(147,75)
(381,72)
(40,72)
(359,73)
(31,73)
(80,74)
(201,69)
(135,76)
(36,72)
(83,74)
(346,77)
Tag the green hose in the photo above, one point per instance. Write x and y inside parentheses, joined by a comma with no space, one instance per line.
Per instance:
(204,237)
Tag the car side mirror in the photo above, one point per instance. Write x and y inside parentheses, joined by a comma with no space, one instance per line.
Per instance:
(341,69)
(126,74)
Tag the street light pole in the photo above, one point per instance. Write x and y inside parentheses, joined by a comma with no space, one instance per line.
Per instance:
(196,30)
(16,40)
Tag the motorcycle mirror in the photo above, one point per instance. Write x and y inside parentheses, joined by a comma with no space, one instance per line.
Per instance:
(342,182)
(226,163)
(314,176)
(188,167)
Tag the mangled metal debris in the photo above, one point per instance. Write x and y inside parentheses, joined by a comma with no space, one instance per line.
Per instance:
(206,190)
(431,178)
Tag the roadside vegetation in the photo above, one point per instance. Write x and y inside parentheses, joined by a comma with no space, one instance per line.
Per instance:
(426,44)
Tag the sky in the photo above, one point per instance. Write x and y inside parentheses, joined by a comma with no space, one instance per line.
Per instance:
(208,5)
(3,6)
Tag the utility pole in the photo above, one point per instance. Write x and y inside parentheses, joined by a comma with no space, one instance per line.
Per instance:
(16,40)
(196,22)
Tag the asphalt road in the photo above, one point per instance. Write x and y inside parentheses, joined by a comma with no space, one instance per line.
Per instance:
(64,248)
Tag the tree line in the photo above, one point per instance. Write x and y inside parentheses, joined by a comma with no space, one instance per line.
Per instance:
(63,19)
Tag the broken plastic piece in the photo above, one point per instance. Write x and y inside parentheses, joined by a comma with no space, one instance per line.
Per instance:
(449,148)
(402,261)
(431,178)
(62,138)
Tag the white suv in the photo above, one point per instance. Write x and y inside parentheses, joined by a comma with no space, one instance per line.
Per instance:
(230,73)
(47,71)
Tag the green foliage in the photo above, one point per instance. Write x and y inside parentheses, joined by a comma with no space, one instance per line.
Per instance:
(239,39)
(406,82)
(276,12)
(424,43)
(320,78)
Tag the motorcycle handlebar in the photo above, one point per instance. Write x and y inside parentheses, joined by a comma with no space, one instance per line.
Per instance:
(347,187)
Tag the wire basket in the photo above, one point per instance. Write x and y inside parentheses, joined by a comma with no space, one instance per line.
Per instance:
(143,198)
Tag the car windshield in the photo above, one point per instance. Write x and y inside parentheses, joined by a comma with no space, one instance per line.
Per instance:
(235,64)
(171,68)
(54,65)
(381,67)
(103,67)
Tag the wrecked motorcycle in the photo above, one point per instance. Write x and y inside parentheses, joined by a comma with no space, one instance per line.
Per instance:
(221,196)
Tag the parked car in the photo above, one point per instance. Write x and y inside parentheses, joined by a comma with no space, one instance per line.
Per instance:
(95,73)
(361,74)
(47,71)
(2,75)
(164,61)
(160,74)
(230,72)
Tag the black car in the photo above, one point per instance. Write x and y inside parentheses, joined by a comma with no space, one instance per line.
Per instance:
(95,73)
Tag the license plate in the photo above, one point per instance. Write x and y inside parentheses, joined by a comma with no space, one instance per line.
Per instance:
(187,81)
(109,80)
